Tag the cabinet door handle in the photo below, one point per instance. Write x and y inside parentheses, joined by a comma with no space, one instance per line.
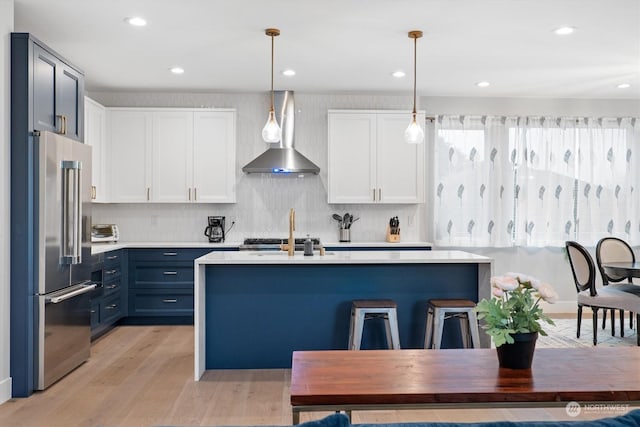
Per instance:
(170,273)
(195,194)
(114,271)
(170,253)
(115,285)
(111,307)
(189,194)
(170,301)
(148,190)
(93,192)
(63,124)
(93,311)
(379,194)
(374,194)
(112,257)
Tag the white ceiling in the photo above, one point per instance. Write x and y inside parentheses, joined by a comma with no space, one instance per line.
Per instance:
(348,45)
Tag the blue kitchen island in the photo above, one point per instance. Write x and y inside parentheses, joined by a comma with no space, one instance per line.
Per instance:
(253,309)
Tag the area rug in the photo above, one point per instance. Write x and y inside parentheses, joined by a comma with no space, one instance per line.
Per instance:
(563,334)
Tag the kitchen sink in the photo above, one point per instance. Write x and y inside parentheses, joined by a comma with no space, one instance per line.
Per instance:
(284,253)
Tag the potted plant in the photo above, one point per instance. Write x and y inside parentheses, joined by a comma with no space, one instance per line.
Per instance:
(513,317)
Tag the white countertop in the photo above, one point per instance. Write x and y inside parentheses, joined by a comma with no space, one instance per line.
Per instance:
(343,257)
(98,248)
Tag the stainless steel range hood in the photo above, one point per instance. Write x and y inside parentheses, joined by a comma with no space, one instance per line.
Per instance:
(282,157)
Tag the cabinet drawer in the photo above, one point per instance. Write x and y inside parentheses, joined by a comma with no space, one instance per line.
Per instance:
(111,273)
(167,254)
(112,259)
(111,308)
(153,302)
(154,276)
(111,287)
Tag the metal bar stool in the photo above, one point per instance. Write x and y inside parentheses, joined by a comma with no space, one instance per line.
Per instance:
(362,310)
(438,310)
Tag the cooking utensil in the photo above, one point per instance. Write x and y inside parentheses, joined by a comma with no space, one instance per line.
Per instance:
(336,217)
(352,221)
(345,219)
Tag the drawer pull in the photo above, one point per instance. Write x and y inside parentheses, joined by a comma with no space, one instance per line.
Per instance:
(114,271)
(112,257)
(170,253)
(170,273)
(93,311)
(170,301)
(111,307)
(115,285)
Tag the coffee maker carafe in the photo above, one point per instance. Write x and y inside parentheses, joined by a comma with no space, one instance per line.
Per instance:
(215,229)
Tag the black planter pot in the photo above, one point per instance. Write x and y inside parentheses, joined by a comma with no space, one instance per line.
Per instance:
(518,355)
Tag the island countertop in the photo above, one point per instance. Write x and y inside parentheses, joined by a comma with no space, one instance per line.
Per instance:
(253,308)
(342,257)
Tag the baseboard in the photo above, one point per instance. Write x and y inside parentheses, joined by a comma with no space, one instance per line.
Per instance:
(5,390)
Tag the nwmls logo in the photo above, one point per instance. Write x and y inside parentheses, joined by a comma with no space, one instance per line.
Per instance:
(574,409)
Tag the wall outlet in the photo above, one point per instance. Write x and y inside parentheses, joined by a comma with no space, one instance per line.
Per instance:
(410,220)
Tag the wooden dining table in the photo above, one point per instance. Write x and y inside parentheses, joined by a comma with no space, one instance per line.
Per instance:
(343,380)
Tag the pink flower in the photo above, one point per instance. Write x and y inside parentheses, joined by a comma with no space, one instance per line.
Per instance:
(504,283)
(497,292)
(523,278)
(547,293)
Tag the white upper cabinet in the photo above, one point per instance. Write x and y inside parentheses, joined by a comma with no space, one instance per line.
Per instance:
(182,155)
(214,157)
(369,161)
(95,133)
(129,155)
(172,156)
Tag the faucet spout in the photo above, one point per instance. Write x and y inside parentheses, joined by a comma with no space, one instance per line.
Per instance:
(292,226)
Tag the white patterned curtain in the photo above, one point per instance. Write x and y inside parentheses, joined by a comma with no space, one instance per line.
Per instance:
(545,181)
(608,177)
(535,181)
(474,182)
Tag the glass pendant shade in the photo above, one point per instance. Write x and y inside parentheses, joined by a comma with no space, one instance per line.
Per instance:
(271,132)
(414,133)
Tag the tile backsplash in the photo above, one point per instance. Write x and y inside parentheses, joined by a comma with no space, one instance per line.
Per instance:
(263,200)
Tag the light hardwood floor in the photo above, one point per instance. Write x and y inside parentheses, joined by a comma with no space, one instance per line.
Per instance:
(143,376)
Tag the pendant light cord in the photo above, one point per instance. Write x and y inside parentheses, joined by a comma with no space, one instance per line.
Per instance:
(272,49)
(415,68)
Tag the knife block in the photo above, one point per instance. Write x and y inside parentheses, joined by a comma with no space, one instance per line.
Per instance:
(392,238)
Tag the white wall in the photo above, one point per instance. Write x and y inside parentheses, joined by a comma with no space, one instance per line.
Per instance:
(6,26)
(263,201)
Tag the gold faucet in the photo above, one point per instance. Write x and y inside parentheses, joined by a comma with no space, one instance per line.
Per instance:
(290,247)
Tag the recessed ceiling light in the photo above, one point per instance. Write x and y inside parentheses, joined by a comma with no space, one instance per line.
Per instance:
(483,84)
(398,74)
(623,86)
(289,72)
(563,31)
(136,21)
(176,70)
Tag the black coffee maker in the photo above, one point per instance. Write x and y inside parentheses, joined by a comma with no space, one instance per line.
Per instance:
(215,229)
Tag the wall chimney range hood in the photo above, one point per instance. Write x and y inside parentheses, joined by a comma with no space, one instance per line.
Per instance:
(282,158)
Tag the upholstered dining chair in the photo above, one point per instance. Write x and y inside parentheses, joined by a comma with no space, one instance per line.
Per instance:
(607,297)
(612,249)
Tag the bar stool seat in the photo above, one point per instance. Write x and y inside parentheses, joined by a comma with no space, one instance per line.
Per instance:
(438,310)
(362,310)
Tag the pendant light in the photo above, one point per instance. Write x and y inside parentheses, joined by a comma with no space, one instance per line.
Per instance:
(414,133)
(272,133)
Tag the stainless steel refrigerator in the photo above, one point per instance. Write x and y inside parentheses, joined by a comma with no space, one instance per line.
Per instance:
(63,234)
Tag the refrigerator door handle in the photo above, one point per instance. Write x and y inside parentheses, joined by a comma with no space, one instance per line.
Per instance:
(71,241)
(79,290)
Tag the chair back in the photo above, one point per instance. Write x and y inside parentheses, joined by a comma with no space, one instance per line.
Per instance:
(582,267)
(612,249)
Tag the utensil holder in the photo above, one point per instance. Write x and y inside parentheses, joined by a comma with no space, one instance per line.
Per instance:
(344,234)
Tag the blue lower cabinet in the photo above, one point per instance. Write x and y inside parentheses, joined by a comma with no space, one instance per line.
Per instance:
(108,305)
(161,302)
(161,285)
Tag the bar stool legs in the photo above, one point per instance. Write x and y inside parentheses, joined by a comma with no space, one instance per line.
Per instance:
(362,310)
(440,310)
